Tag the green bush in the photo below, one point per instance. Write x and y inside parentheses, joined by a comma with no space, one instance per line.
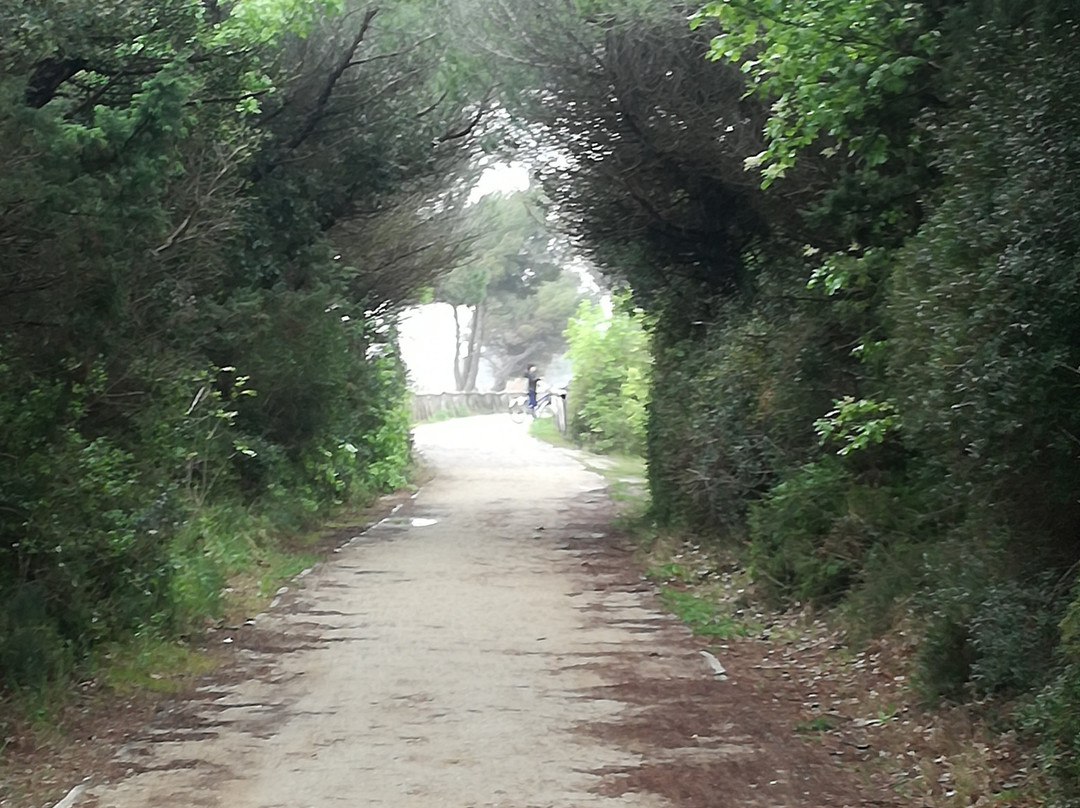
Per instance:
(943,661)
(139,530)
(988,636)
(709,448)
(32,649)
(1014,631)
(985,297)
(83,554)
(734,401)
(1054,719)
(809,537)
(610,388)
(1055,724)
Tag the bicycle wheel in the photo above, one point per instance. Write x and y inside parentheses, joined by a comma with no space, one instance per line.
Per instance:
(518,410)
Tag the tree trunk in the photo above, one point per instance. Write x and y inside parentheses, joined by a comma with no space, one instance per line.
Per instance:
(467,363)
(459,381)
(476,340)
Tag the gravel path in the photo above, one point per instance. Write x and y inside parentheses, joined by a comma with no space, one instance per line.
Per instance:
(489,645)
(445,658)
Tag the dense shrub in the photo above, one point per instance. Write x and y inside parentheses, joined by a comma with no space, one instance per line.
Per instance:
(609,355)
(200,265)
(83,552)
(986,634)
(1013,633)
(1054,720)
(944,371)
(735,400)
(984,300)
(139,531)
(805,542)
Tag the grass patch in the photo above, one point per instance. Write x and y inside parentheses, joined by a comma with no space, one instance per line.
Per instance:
(545,430)
(230,562)
(671,571)
(815,726)
(249,592)
(702,614)
(706,591)
(148,663)
(282,566)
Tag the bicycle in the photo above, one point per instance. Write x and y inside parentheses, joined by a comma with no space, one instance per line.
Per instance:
(551,404)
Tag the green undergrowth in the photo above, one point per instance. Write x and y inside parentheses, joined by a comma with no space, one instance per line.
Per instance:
(255,566)
(147,663)
(702,612)
(545,430)
(706,592)
(228,564)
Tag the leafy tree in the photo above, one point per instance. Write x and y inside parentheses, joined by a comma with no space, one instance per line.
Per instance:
(510,263)
(632,140)
(208,214)
(824,68)
(528,329)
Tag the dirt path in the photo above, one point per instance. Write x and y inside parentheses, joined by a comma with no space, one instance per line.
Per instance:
(489,645)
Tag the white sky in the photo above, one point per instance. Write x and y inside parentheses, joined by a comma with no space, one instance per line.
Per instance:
(501,178)
(427,332)
(426,335)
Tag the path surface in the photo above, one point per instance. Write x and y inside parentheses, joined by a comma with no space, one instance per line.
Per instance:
(489,645)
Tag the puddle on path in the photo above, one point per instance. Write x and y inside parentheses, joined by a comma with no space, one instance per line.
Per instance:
(407,521)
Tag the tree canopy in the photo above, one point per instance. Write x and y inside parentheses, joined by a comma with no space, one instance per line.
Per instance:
(510,295)
(851,225)
(209,214)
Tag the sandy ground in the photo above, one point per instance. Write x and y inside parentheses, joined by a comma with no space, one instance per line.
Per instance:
(490,644)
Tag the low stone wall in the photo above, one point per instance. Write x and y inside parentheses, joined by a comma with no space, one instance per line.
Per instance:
(425,405)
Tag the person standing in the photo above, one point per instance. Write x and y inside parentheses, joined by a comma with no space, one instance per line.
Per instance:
(532,377)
